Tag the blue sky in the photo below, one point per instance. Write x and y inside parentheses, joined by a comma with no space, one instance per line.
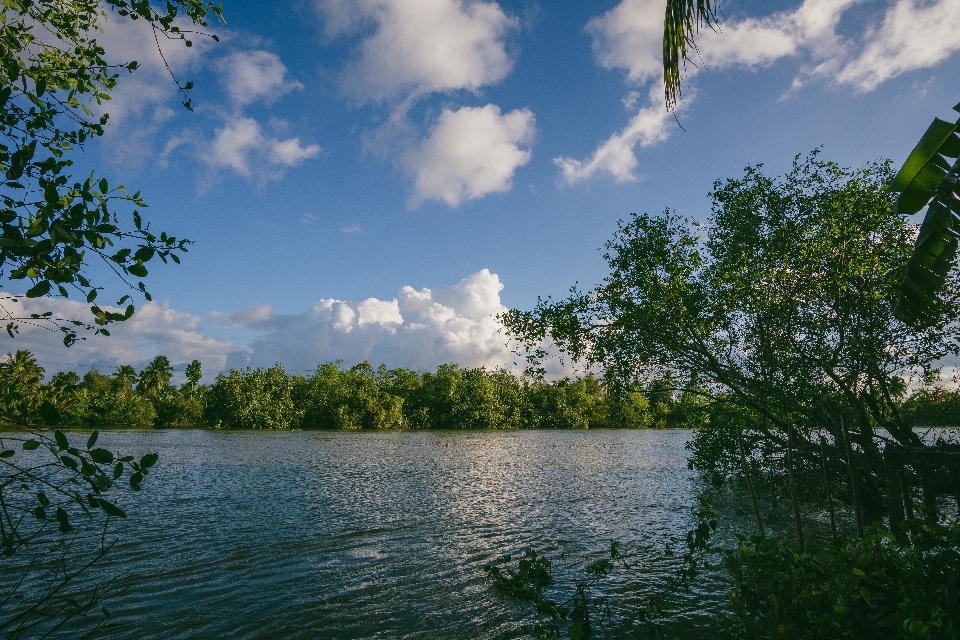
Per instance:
(377,178)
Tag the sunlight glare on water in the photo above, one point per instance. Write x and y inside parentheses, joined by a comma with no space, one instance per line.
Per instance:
(377,535)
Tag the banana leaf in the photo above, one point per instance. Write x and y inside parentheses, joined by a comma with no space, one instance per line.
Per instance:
(929,179)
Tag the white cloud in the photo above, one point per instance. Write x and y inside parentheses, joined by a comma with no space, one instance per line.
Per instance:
(155,329)
(242,144)
(146,101)
(914,35)
(252,76)
(469,153)
(630,37)
(421,47)
(615,156)
(417,329)
(150,86)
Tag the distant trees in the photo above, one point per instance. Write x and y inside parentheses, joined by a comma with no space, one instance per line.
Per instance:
(451,397)
(364,398)
(332,397)
(253,399)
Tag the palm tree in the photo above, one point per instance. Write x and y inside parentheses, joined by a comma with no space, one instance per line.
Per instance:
(124,376)
(22,367)
(20,392)
(156,376)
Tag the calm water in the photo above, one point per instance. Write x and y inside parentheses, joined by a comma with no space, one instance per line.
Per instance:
(381,535)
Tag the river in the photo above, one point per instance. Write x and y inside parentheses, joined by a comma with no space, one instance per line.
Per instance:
(384,534)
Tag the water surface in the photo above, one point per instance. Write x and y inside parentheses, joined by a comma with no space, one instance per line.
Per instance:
(380,535)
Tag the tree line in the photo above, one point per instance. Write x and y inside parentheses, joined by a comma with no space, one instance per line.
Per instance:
(364,397)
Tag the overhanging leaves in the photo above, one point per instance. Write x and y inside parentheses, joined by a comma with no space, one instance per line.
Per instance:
(929,178)
(681,22)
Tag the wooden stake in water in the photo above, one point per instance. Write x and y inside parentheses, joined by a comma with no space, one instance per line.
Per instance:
(853,478)
(746,474)
(793,486)
(826,486)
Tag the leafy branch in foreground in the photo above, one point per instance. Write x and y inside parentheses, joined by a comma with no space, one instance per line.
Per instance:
(58,505)
(54,79)
(592,611)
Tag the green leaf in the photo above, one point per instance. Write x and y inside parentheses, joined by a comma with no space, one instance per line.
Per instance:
(64,520)
(575,632)
(50,415)
(61,440)
(31,445)
(92,440)
(111,509)
(7,453)
(118,471)
(40,513)
(101,456)
(135,481)
(917,180)
(148,460)
(136,269)
(44,500)
(42,288)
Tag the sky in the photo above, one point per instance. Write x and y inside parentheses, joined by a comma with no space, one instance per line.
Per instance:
(377,179)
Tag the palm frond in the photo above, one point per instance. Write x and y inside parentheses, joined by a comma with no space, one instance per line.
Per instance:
(682,21)
(929,179)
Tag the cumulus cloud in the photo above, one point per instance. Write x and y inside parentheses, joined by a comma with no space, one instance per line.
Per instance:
(420,328)
(421,47)
(630,37)
(255,76)
(417,329)
(469,153)
(409,50)
(914,35)
(146,101)
(242,144)
(153,330)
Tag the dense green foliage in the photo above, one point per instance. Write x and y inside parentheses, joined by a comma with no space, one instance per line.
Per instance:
(778,309)
(868,587)
(360,397)
(449,398)
(775,319)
